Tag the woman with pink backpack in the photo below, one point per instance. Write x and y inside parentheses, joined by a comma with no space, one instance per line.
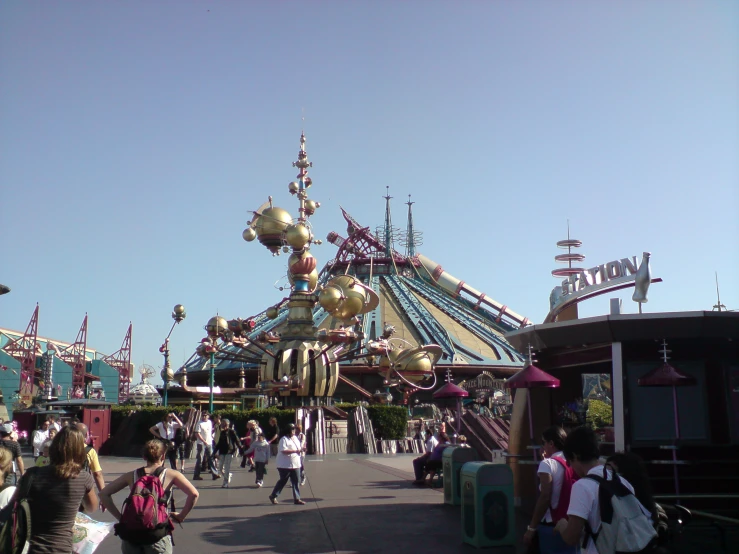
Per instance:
(146,519)
(555,483)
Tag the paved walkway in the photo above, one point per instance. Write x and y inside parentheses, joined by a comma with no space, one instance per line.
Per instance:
(355,504)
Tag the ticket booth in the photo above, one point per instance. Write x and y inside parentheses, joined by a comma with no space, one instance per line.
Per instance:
(93,413)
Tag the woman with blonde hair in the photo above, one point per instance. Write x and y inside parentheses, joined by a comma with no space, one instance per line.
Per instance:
(54,494)
(6,465)
(154,454)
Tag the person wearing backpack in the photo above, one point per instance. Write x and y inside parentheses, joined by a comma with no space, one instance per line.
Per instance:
(555,484)
(47,498)
(604,516)
(145,521)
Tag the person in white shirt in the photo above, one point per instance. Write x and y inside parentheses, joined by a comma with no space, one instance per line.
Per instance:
(54,423)
(582,453)
(431,443)
(204,434)
(40,436)
(288,465)
(551,477)
(166,430)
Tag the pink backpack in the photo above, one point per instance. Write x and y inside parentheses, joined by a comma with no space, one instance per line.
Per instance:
(145,516)
(570,477)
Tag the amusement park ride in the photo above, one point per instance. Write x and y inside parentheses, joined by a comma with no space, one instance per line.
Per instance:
(300,363)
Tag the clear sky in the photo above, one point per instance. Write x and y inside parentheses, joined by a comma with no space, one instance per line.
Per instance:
(135,138)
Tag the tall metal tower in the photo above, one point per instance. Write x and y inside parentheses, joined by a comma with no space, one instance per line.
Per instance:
(412,238)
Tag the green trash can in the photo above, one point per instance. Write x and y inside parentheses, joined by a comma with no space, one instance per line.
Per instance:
(488,517)
(453,459)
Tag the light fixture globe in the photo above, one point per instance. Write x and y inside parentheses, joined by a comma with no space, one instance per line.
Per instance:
(216,326)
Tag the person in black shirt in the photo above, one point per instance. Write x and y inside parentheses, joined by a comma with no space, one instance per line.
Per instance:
(15,451)
(228,444)
(273,435)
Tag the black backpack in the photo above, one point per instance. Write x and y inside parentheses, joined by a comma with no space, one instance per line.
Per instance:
(15,519)
(180,436)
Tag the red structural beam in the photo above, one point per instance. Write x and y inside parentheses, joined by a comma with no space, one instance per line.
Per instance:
(24,349)
(121,362)
(74,356)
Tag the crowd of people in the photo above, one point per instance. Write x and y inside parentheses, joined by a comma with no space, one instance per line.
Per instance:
(67,477)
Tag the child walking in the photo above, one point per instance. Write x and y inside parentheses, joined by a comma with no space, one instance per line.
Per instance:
(260,449)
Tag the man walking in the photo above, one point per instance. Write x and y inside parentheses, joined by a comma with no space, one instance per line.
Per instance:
(204,434)
(227,445)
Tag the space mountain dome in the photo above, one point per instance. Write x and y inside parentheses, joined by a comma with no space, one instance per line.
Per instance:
(371,319)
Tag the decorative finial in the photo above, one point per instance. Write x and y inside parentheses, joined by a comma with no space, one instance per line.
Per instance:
(664,351)
(412,237)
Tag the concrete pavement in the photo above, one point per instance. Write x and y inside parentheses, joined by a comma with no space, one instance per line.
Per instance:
(354,504)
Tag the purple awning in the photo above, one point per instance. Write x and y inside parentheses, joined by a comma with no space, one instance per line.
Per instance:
(531,377)
(666,376)
(450,390)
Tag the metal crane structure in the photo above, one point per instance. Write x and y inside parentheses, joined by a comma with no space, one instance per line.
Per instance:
(26,349)
(120,360)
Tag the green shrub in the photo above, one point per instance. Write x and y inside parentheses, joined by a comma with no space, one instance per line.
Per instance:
(389,422)
(599,414)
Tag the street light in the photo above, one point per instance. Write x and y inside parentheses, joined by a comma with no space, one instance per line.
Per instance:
(178,314)
(216,328)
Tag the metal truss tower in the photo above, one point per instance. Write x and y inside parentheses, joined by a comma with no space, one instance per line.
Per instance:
(74,355)
(25,350)
(121,362)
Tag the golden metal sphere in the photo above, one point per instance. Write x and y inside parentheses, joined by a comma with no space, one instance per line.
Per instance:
(272,312)
(179,310)
(311,206)
(272,221)
(312,279)
(167,374)
(330,298)
(216,326)
(297,235)
(249,234)
(293,187)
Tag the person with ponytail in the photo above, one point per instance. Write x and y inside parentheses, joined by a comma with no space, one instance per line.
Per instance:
(154,454)
(55,492)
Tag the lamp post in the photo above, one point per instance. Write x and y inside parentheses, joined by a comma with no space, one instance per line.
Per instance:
(216,327)
(178,314)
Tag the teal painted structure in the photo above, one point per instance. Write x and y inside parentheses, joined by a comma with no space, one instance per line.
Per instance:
(488,516)
(453,459)
(108,378)
(62,375)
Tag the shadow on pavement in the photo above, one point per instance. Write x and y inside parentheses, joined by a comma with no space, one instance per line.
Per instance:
(351,529)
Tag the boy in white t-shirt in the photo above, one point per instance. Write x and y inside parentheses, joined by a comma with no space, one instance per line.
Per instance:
(204,434)
(582,453)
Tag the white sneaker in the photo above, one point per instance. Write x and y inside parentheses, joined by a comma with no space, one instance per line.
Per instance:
(230,475)
(302,482)
(259,484)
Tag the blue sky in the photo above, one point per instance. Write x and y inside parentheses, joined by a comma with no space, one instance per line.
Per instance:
(135,137)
